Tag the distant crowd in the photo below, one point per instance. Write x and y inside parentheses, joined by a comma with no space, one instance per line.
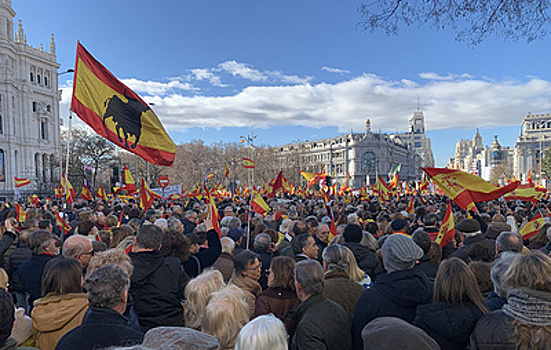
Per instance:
(351,274)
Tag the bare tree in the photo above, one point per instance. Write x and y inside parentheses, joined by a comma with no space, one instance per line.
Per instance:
(473,20)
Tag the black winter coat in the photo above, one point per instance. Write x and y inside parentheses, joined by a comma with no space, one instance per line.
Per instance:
(101,328)
(463,252)
(367,260)
(5,243)
(204,258)
(16,258)
(157,286)
(428,267)
(450,325)
(321,324)
(396,294)
(494,331)
(30,273)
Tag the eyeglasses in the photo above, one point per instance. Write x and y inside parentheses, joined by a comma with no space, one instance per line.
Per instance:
(257,267)
(89,253)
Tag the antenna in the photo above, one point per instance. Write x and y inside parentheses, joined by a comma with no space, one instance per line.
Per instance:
(417,104)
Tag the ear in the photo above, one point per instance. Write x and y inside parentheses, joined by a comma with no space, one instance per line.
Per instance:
(125,297)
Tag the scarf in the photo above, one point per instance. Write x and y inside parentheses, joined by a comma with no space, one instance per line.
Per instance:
(529,306)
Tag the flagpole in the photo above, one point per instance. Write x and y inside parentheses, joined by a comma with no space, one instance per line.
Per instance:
(66,182)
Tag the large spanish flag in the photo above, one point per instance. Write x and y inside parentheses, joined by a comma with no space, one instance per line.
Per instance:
(118,113)
(128,180)
(21,182)
(447,229)
(527,192)
(259,205)
(532,227)
(464,188)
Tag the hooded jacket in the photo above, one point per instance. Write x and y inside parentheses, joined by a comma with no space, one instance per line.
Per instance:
(54,315)
(157,286)
(396,294)
(449,324)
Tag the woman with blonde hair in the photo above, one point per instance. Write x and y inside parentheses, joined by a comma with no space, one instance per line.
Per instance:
(340,273)
(524,322)
(224,316)
(198,293)
(457,306)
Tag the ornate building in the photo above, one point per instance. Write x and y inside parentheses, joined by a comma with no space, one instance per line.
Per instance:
(29,110)
(363,156)
(471,156)
(534,139)
(416,139)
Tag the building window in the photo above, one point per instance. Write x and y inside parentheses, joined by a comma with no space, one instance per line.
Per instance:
(1,125)
(43,129)
(417,144)
(38,78)
(35,106)
(48,108)
(45,81)
(32,76)
(2,171)
(368,163)
(37,165)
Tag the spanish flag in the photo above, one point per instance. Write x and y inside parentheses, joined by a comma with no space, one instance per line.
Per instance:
(411,206)
(21,182)
(447,229)
(59,220)
(213,212)
(281,182)
(248,163)
(532,227)
(68,189)
(312,178)
(20,213)
(527,192)
(226,171)
(259,205)
(101,194)
(146,198)
(118,113)
(464,188)
(85,193)
(382,189)
(128,180)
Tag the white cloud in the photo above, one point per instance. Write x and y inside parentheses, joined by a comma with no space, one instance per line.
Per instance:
(243,71)
(434,76)
(156,88)
(447,104)
(335,70)
(206,74)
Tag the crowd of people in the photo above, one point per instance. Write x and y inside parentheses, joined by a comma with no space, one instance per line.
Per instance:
(354,274)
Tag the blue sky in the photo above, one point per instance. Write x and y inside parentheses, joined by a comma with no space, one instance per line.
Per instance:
(296,70)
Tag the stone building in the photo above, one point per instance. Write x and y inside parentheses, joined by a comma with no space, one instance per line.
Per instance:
(29,110)
(534,139)
(362,155)
(417,140)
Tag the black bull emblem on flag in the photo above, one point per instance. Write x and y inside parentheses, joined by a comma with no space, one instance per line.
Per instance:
(127,117)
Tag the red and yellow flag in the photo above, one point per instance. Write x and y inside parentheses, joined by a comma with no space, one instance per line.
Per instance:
(248,163)
(118,113)
(259,205)
(281,182)
(59,220)
(101,194)
(313,178)
(529,178)
(532,227)
(464,188)
(447,229)
(21,182)
(226,171)
(146,198)
(68,189)
(58,192)
(527,192)
(85,193)
(128,180)
(411,206)
(382,189)
(21,214)
(213,213)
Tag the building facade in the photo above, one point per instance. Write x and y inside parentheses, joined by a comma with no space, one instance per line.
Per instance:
(363,156)
(473,157)
(534,139)
(417,140)
(29,110)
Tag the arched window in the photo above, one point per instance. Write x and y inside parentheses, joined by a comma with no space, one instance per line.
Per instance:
(37,165)
(368,163)
(44,167)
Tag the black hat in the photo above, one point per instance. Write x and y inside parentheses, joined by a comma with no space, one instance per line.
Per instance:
(398,224)
(352,233)
(235,233)
(468,226)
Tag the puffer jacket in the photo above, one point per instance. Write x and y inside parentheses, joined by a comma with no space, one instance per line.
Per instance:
(449,324)
(54,315)
(494,331)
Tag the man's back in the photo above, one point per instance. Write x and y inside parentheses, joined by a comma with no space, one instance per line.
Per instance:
(322,324)
(157,286)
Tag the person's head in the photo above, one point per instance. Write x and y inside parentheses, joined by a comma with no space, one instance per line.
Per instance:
(298,227)
(225,314)
(30,224)
(228,245)
(305,244)
(228,211)
(149,237)
(322,233)
(108,288)
(162,223)
(264,332)
(80,248)
(191,215)
(531,271)
(175,224)
(336,258)
(45,224)
(198,292)
(282,273)
(500,265)
(352,233)
(400,253)
(174,243)
(422,239)
(118,234)
(508,241)
(41,242)
(62,276)
(7,316)
(399,225)
(456,284)
(4,279)
(309,279)
(262,242)
(468,227)
(175,338)
(115,256)
(247,264)
(430,220)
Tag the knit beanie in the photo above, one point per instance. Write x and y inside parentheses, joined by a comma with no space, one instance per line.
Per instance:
(400,253)
(352,233)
